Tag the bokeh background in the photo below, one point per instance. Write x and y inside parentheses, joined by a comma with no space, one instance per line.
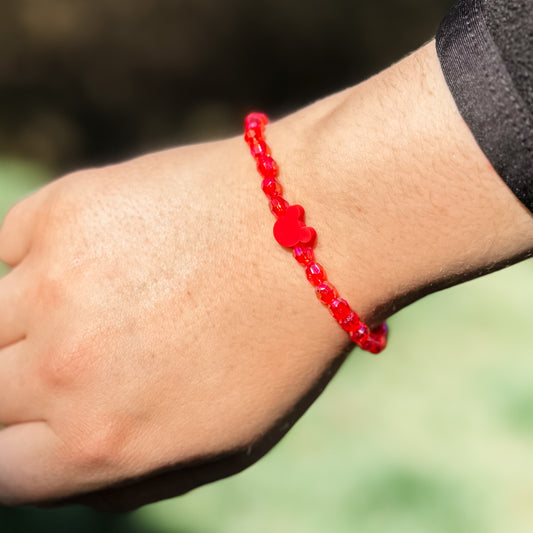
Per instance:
(432,437)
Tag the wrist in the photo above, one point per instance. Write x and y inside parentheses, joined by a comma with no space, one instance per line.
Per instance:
(402,197)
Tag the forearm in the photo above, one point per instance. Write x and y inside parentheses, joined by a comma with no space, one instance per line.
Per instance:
(404,200)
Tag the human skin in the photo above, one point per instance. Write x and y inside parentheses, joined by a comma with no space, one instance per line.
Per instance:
(151,323)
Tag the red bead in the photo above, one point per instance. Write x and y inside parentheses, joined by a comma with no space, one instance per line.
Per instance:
(351,322)
(254,134)
(259,148)
(254,120)
(315,274)
(360,335)
(376,340)
(325,292)
(380,331)
(340,309)
(373,344)
(278,205)
(304,255)
(271,187)
(267,167)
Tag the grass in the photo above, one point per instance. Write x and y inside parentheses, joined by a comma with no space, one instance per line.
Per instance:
(433,436)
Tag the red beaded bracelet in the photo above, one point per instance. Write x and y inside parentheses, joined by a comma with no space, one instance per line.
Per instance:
(291,232)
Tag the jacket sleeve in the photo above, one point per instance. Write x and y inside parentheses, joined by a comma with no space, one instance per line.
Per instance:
(485,48)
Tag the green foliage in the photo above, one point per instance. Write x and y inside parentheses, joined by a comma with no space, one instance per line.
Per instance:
(18,179)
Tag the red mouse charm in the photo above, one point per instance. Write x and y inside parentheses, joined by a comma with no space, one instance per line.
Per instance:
(290,229)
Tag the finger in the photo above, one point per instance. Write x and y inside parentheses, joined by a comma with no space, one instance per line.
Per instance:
(19,385)
(13,308)
(30,463)
(17,229)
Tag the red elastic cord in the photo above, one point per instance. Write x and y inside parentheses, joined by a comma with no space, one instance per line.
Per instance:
(291,232)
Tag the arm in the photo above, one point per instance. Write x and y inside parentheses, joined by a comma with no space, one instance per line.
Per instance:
(157,337)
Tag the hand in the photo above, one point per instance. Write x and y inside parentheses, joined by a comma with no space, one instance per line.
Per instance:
(143,327)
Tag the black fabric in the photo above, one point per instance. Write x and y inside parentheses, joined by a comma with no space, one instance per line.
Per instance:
(485,51)
(511,25)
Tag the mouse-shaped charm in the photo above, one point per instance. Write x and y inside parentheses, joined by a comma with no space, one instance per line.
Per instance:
(290,229)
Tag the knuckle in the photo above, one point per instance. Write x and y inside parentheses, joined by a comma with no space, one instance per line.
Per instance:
(96,446)
(49,293)
(10,231)
(65,365)
(11,216)
(22,211)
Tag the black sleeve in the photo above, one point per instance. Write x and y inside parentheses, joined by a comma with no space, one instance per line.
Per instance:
(485,48)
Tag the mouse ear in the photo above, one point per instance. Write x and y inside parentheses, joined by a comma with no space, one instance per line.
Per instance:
(296,211)
(308,236)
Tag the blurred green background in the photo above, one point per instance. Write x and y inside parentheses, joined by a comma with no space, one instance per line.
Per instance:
(435,435)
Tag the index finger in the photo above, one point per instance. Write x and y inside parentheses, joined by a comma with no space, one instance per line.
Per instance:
(17,229)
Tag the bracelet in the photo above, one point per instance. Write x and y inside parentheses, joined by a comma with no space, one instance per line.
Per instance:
(291,232)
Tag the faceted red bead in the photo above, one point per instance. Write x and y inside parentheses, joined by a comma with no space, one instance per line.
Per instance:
(326,292)
(254,134)
(351,322)
(278,205)
(373,344)
(340,309)
(303,254)
(271,187)
(315,274)
(254,120)
(360,334)
(380,331)
(267,167)
(259,149)
(376,340)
